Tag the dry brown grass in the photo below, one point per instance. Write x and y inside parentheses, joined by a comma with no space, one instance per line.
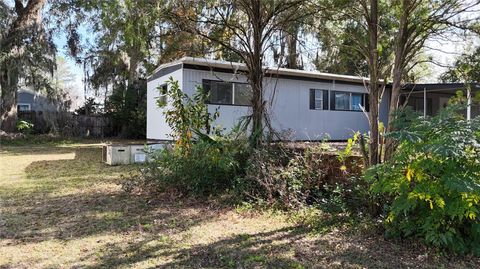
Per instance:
(62,208)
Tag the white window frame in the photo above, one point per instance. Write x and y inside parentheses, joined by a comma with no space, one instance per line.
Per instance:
(164,97)
(234,90)
(350,101)
(315,99)
(24,104)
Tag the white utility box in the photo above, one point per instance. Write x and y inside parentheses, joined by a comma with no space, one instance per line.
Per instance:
(137,154)
(116,154)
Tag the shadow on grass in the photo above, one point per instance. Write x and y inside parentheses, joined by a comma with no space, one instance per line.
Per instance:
(292,247)
(260,250)
(79,167)
(80,197)
(81,215)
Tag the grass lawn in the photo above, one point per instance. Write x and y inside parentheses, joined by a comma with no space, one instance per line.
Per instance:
(61,207)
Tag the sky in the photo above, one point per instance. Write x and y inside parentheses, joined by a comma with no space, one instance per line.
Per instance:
(60,41)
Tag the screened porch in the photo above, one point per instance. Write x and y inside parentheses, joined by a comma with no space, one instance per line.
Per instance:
(429,99)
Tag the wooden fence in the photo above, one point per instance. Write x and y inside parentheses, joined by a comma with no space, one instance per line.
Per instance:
(67,123)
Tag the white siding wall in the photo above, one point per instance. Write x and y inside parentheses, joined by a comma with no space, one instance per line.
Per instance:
(157,128)
(289,111)
(229,115)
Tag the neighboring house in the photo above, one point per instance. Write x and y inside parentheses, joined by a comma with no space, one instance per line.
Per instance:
(28,100)
(309,105)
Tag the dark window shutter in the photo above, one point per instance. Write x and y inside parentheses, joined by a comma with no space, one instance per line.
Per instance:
(206,88)
(332,101)
(367,103)
(325,99)
(312,99)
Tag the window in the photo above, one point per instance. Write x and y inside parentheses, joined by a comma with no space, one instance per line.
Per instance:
(357,101)
(242,94)
(221,93)
(23,107)
(342,101)
(162,99)
(228,93)
(318,99)
(349,101)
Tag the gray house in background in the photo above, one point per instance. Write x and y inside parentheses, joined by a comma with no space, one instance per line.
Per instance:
(28,100)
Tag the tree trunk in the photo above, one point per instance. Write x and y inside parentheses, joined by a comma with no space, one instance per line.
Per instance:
(398,71)
(390,144)
(374,89)
(134,56)
(256,75)
(27,16)
(292,60)
(8,108)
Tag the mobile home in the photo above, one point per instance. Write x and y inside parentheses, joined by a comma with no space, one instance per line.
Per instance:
(308,105)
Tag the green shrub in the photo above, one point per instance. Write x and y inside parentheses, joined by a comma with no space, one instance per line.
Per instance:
(209,168)
(433,180)
(24,127)
(199,163)
(186,115)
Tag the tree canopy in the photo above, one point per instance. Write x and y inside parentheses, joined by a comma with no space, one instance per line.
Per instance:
(119,42)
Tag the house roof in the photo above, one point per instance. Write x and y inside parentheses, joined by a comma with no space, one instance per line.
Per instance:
(229,67)
(438,86)
(233,67)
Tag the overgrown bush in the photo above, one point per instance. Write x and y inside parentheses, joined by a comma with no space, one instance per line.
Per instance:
(24,127)
(198,163)
(433,180)
(208,168)
(289,179)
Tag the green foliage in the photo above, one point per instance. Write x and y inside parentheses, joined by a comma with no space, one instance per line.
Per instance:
(90,107)
(433,180)
(126,108)
(199,163)
(185,115)
(347,152)
(466,69)
(24,127)
(209,168)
